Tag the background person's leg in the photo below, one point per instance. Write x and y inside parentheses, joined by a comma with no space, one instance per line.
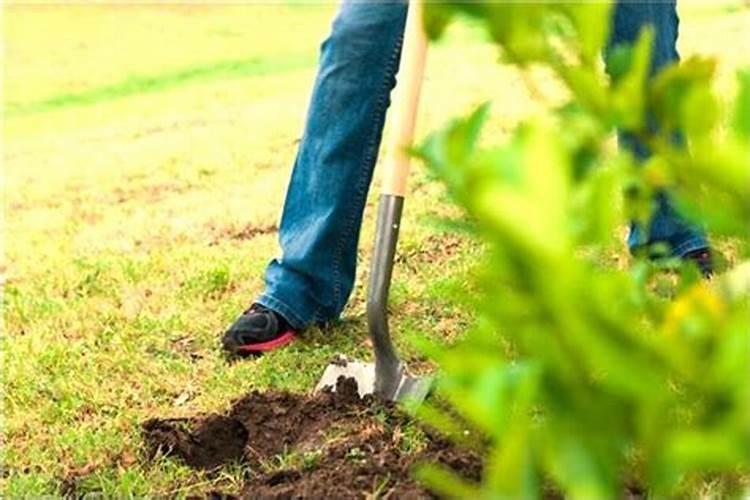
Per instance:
(319,231)
(666,226)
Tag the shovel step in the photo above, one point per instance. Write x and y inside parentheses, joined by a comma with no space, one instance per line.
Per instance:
(363,373)
(410,388)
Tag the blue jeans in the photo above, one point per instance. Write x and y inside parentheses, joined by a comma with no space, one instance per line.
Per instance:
(319,231)
(665,226)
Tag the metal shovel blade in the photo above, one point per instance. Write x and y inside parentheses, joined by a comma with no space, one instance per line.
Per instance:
(408,387)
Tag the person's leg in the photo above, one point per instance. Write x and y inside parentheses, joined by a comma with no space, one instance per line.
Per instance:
(666,225)
(312,279)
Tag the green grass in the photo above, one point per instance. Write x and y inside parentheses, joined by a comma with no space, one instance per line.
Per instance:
(133,160)
(127,265)
(256,66)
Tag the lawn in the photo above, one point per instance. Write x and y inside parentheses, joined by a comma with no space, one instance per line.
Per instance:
(146,152)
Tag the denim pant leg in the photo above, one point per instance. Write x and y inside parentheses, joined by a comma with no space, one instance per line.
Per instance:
(319,229)
(666,225)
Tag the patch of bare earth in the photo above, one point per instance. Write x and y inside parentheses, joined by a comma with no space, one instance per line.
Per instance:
(345,447)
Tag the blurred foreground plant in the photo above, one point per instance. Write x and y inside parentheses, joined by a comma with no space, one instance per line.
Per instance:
(580,374)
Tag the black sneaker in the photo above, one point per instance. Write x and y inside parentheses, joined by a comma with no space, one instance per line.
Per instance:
(703,260)
(258,330)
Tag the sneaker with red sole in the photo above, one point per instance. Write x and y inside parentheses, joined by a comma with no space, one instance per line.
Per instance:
(258,330)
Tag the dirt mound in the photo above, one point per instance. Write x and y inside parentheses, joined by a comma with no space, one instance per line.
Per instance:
(203,444)
(331,444)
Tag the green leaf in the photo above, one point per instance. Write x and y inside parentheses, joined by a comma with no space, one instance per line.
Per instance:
(629,90)
(742,107)
(588,87)
(576,468)
(681,98)
(592,23)
(436,18)
(705,449)
(445,482)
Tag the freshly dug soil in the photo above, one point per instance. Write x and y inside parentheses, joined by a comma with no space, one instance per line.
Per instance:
(337,446)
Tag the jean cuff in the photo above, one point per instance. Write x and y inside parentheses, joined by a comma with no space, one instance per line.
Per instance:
(690,245)
(281,308)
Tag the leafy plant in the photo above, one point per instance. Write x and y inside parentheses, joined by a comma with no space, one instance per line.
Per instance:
(580,374)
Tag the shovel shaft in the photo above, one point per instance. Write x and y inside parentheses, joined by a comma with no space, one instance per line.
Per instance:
(406,100)
(388,367)
(389,371)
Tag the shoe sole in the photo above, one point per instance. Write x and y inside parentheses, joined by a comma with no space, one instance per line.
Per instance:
(281,340)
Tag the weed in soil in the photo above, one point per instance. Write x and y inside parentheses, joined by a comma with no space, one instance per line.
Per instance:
(330,444)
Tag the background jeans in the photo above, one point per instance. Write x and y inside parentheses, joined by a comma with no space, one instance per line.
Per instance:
(665,226)
(320,224)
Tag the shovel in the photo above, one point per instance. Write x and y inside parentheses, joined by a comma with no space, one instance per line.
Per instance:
(387,377)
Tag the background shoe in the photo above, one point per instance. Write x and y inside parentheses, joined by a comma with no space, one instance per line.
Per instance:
(703,260)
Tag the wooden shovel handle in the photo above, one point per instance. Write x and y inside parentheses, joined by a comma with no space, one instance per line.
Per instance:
(405,102)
